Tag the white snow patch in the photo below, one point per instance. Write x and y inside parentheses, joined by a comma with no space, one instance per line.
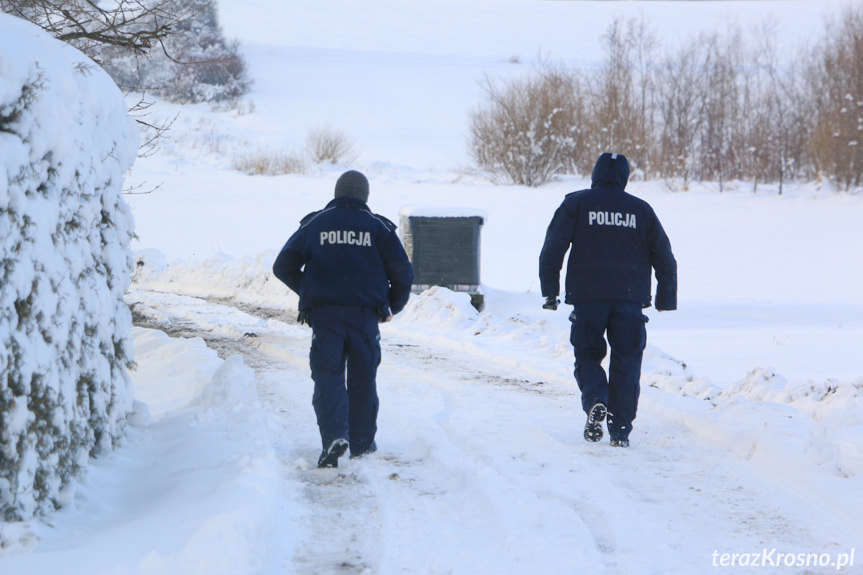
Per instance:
(197,490)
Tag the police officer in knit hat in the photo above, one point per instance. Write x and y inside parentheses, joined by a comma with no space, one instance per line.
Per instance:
(614,241)
(351,272)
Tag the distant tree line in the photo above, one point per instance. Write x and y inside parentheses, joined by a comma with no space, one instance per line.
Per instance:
(724,106)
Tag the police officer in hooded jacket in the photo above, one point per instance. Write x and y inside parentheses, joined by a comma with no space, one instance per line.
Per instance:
(614,240)
(351,272)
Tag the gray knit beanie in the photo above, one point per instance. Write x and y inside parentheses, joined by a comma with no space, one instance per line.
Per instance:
(353,184)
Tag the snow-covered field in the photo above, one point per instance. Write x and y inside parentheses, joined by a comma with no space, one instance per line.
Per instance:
(748,447)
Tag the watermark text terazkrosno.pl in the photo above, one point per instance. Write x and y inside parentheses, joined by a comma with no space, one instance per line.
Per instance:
(776,558)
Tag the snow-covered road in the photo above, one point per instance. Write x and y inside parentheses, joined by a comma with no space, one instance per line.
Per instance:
(482,468)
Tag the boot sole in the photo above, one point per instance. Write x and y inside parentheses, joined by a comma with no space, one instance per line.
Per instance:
(593,427)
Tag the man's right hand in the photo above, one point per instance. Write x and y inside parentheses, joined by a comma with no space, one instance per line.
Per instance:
(384,314)
(551,303)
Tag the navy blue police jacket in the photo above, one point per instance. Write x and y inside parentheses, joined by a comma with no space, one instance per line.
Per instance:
(346,255)
(614,240)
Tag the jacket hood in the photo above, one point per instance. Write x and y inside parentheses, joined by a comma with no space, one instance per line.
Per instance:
(610,170)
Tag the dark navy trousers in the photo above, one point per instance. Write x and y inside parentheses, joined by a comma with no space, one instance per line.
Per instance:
(344,359)
(624,325)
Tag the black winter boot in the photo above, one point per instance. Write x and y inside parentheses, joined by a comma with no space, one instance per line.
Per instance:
(330,456)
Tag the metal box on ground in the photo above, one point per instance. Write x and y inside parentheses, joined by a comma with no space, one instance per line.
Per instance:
(444,248)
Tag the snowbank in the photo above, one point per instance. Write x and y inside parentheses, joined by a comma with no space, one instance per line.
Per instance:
(205,478)
(789,427)
(217,476)
(247,280)
(65,142)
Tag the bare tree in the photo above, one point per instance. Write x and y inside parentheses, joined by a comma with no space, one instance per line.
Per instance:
(720,104)
(775,117)
(132,25)
(835,81)
(645,44)
(680,80)
(614,122)
(797,124)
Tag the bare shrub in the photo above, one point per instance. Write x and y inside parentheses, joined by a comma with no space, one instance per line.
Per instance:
(329,146)
(271,164)
(527,131)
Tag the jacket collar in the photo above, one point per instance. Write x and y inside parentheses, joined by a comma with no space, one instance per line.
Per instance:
(347,202)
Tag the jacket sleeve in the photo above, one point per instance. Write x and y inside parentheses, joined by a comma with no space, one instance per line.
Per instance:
(399,270)
(558,238)
(665,267)
(288,266)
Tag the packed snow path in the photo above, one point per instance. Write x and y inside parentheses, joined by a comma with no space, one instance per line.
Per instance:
(483,469)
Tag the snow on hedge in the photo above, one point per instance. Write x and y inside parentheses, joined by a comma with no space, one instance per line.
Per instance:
(65,142)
